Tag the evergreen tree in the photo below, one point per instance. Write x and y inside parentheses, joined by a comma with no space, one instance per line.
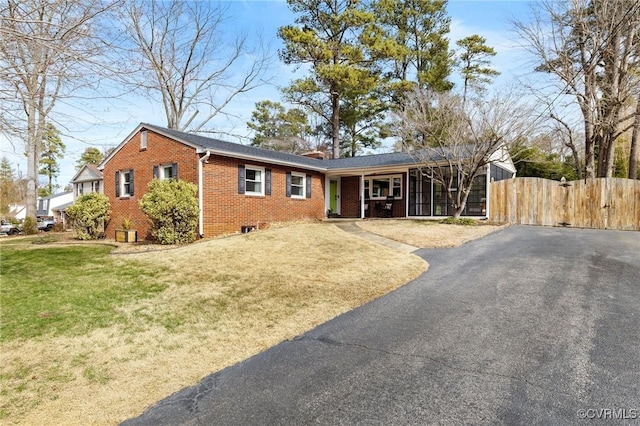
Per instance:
(278,128)
(7,185)
(473,63)
(416,44)
(52,150)
(330,37)
(91,155)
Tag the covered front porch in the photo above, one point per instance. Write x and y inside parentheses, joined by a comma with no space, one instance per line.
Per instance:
(367,195)
(398,193)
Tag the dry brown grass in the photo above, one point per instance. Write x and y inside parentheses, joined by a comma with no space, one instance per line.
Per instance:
(227,299)
(427,233)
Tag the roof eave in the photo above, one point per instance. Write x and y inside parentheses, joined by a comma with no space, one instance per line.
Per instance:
(259,159)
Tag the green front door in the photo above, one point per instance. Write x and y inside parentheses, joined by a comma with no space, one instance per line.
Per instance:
(333,196)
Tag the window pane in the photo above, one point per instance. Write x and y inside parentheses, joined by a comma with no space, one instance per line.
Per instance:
(296,180)
(253,174)
(254,186)
(397,187)
(380,187)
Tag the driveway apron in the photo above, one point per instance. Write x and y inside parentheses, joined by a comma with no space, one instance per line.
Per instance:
(529,325)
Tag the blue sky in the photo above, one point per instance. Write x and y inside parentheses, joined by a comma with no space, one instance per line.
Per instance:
(107,123)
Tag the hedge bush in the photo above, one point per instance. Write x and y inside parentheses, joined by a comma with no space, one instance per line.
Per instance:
(460,221)
(172,207)
(90,215)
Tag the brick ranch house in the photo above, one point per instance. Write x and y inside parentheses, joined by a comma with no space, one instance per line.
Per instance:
(241,186)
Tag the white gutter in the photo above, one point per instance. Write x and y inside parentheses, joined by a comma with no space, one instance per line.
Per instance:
(203,160)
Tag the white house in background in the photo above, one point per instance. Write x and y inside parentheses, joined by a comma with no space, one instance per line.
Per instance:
(17,211)
(87,180)
(54,205)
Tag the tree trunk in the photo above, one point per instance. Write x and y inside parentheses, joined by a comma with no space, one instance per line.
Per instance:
(335,123)
(635,137)
(576,159)
(589,149)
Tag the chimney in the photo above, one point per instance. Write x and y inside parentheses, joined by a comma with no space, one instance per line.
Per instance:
(318,155)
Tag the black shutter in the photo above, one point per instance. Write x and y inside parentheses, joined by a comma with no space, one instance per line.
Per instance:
(174,170)
(156,175)
(308,186)
(241,178)
(267,182)
(131,183)
(288,184)
(117,184)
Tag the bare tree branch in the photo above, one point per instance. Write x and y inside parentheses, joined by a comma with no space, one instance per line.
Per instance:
(454,142)
(183,58)
(48,50)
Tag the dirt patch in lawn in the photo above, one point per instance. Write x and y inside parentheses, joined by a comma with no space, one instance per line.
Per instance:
(225,300)
(428,233)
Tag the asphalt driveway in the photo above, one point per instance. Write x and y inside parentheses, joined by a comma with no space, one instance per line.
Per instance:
(529,325)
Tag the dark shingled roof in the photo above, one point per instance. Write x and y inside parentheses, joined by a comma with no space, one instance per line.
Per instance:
(376,160)
(236,148)
(268,155)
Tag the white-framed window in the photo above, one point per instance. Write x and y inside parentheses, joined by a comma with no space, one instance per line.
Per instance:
(165,171)
(124,183)
(298,185)
(95,186)
(127,182)
(79,188)
(254,180)
(381,187)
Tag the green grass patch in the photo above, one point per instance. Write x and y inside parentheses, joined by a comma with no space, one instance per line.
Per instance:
(460,221)
(49,289)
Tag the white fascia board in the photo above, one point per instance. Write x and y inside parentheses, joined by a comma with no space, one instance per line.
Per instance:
(259,159)
(393,169)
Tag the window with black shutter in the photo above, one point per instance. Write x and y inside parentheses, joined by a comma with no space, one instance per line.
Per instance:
(288,189)
(124,183)
(267,182)
(241,177)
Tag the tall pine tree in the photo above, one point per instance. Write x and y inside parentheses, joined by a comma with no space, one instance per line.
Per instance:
(52,151)
(329,36)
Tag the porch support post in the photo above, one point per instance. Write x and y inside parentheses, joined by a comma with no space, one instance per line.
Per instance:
(327,195)
(406,195)
(487,193)
(362,196)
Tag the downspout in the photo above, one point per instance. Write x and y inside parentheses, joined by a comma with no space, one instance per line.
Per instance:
(203,160)
(362,197)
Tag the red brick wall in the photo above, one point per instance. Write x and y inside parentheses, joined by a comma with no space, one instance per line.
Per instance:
(350,196)
(225,211)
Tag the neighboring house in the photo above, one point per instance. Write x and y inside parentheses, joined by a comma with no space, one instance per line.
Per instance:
(17,211)
(87,180)
(242,186)
(53,206)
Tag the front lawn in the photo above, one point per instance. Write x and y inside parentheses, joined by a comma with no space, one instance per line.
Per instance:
(53,290)
(428,233)
(89,337)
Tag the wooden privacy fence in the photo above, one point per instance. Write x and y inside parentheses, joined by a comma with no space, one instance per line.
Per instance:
(602,203)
